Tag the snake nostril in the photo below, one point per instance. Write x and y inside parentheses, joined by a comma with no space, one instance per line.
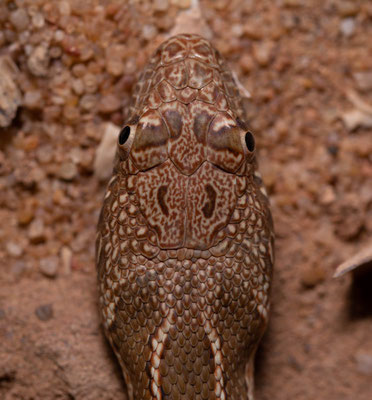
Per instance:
(124,135)
(249,141)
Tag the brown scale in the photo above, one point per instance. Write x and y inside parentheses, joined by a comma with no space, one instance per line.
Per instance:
(185,238)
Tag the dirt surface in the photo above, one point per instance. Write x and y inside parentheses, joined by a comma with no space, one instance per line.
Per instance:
(68,68)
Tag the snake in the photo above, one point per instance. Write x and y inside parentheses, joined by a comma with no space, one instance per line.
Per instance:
(184,247)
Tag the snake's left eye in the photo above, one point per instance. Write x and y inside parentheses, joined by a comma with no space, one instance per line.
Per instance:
(249,141)
(124,135)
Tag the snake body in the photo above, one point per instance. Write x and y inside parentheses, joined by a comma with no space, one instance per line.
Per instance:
(184,247)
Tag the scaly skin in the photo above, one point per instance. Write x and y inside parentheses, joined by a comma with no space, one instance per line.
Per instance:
(185,238)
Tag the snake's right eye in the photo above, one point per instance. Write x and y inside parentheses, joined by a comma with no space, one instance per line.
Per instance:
(124,135)
(249,141)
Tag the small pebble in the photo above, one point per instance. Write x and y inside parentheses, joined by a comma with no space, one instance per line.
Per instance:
(111,9)
(33,100)
(14,249)
(131,66)
(86,53)
(252,31)
(295,363)
(66,260)
(327,196)
(349,217)
(38,20)
(363,80)
(182,3)
(49,266)
(19,267)
(64,8)
(88,102)
(71,114)
(164,22)
(59,35)
(44,312)
(364,363)
(237,30)
(19,19)
(347,26)
(36,232)
(161,5)
(90,83)
(313,276)
(55,52)
(44,153)
(25,215)
(38,61)
(149,31)
(68,171)
(109,104)
(79,70)
(246,63)
(347,8)
(31,177)
(115,66)
(263,52)
(77,86)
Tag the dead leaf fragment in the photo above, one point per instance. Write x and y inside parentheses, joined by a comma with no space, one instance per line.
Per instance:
(10,95)
(105,154)
(360,116)
(355,118)
(360,260)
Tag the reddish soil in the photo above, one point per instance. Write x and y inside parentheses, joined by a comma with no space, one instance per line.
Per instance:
(307,65)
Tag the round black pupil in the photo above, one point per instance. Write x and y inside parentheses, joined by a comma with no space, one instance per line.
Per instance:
(124,135)
(249,141)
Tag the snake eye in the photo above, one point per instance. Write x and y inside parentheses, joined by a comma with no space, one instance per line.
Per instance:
(249,141)
(124,135)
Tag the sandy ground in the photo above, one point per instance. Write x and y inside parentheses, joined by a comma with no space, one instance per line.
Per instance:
(67,69)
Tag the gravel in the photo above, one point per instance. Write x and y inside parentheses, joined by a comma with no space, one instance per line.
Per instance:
(36,232)
(49,266)
(44,312)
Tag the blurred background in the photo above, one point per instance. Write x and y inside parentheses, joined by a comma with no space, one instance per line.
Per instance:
(66,73)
